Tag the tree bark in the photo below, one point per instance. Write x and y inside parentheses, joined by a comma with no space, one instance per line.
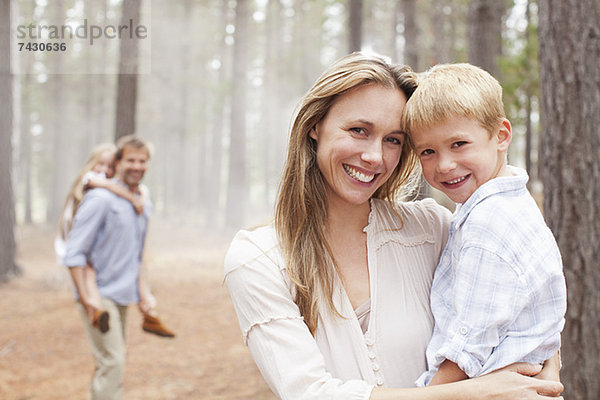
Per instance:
(569,39)
(237,184)
(411,34)
(484,28)
(440,38)
(58,185)
(8,265)
(355,8)
(128,68)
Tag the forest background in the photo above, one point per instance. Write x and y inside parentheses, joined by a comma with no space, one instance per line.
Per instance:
(213,85)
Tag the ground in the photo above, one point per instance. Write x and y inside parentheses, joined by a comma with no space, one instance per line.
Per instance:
(44,353)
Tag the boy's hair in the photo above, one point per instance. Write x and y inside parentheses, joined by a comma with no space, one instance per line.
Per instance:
(132,141)
(454,90)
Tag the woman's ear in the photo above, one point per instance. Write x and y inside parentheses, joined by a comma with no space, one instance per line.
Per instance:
(314,134)
(504,135)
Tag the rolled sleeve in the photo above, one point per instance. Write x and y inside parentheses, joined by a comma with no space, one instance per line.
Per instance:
(89,218)
(488,296)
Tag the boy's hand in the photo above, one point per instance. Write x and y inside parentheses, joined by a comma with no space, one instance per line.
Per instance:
(551,369)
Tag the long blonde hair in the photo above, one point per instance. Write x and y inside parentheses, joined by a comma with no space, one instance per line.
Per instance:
(301,208)
(77,190)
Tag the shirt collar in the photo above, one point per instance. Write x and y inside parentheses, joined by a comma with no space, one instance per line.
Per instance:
(502,184)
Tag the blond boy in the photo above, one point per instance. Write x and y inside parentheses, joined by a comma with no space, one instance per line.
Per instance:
(498,294)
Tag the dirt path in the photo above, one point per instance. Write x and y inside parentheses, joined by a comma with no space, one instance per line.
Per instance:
(44,353)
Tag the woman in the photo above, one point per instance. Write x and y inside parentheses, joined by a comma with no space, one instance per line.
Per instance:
(333,298)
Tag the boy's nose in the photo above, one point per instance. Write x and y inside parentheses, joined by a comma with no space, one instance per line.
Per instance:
(446,164)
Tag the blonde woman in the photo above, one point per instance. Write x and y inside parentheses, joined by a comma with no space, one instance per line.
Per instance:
(333,297)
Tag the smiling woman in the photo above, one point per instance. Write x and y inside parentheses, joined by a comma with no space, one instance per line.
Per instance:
(333,297)
(359,143)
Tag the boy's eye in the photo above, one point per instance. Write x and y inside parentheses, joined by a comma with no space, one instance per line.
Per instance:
(458,144)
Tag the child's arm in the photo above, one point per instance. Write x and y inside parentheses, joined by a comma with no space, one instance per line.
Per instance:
(551,370)
(117,189)
(448,372)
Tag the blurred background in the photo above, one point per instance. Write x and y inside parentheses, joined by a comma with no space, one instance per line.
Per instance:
(213,84)
(218,84)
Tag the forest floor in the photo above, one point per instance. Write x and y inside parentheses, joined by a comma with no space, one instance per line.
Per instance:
(44,353)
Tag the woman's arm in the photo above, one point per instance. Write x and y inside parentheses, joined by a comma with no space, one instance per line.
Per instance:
(119,190)
(505,384)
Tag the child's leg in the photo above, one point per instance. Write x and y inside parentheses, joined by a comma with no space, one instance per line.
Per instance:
(151,324)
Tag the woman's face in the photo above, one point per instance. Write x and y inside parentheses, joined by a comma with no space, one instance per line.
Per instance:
(359,142)
(105,164)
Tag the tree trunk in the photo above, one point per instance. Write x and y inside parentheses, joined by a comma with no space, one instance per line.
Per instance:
(440,38)
(569,32)
(8,265)
(528,103)
(411,34)
(484,28)
(128,68)
(26,147)
(355,8)
(237,184)
(181,182)
(58,184)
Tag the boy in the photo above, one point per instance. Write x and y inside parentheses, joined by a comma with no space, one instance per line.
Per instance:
(498,294)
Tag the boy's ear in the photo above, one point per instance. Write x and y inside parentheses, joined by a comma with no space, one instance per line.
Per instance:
(504,135)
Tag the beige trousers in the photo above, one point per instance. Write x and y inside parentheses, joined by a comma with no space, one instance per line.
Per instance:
(109,352)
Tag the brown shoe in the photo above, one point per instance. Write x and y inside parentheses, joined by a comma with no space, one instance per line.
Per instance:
(153,325)
(100,320)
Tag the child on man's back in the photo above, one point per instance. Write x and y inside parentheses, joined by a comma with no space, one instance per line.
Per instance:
(96,173)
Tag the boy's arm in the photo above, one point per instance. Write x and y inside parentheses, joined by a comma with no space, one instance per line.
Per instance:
(119,190)
(448,372)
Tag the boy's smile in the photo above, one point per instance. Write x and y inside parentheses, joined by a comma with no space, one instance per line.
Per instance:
(459,155)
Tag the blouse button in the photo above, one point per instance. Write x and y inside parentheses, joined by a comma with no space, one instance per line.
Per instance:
(371,355)
(369,341)
(375,367)
(463,330)
(379,381)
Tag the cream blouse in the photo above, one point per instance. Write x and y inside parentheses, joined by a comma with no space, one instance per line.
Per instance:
(340,362)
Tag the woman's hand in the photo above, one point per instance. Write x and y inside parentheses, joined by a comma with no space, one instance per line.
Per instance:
(516,382)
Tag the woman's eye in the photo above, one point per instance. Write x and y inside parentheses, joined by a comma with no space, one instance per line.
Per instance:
(458,144)
(358,131)
(394,140)
(427,152)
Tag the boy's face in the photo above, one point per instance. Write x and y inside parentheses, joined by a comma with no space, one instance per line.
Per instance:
(459,155)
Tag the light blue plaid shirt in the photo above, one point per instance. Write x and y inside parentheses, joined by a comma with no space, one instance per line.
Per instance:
(498,294)
(108,234)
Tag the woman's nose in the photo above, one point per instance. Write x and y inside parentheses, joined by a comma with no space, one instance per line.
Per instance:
(373,154)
